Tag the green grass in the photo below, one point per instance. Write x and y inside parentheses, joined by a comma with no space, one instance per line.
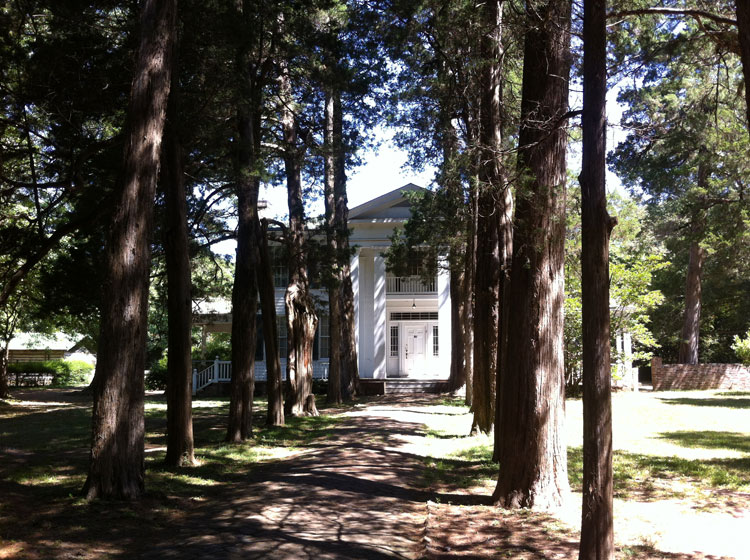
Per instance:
(635,475)
(709,402)
(51,442)
(661,454)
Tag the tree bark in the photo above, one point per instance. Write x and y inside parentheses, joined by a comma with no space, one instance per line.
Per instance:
(245,288)
(301,318)
(597,532)
(492,190)
(457,377)
(333,281)
(452,184)
(116,469)
(688,351)
(180,446)
(275,412)
(468,296)
(244,310)
(349,363)
(530,447)
(743,27)
(4,386)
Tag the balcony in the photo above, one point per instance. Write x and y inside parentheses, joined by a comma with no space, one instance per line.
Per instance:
(409,285)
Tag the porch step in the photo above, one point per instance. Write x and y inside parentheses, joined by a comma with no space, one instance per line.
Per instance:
(395,386)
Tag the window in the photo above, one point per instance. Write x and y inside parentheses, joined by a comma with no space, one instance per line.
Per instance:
(279,267)
(414,316)
(259,339)
(281,324)
(394,341)
(324,338)
(435,347)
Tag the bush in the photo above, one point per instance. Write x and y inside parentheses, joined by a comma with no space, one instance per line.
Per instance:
(64,372)
(741,347)
(74,373)
(156,378)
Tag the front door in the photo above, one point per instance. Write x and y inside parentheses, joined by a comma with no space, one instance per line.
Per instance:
(414,350)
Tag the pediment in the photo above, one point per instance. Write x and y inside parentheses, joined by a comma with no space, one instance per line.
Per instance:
(391,205)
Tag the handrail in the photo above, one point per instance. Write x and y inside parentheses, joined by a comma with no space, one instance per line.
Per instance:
(410,285)
(221,371)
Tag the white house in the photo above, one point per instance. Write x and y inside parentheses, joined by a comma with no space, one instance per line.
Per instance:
(402,323)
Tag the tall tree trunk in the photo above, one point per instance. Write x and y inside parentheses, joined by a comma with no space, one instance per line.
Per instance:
(492,190)
(275,412)
(743,27)
(116,469)
(245,288)
(180,447)
(4,388)
(531,448)
(597,532)
(688,351)
(334,302)
(350,385)
(468,295)
(452,184)
(300,310)
(244,311)
(457,377)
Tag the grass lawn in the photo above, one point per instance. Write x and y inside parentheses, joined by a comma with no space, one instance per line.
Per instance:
(681,454)
(682,464)
(44,442)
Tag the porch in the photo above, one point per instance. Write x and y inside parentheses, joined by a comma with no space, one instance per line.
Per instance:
(220,371)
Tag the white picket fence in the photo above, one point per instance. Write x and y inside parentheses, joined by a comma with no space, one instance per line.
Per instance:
(220,371)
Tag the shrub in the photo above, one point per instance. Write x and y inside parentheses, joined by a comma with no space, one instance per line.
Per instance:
(64,372)
(74,373)
(156,378)
(741,347)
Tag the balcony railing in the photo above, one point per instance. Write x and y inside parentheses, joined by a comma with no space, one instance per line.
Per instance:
(410,285)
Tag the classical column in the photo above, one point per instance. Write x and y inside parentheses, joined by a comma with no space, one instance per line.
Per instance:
(354,274)
(365,323)
(379,318)
(444,320)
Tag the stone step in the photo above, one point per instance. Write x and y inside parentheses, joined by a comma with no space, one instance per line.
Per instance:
(393,386)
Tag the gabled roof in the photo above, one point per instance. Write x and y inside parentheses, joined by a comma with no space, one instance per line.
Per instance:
(389,205)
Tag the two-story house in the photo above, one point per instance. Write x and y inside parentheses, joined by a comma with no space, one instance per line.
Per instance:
(402,322)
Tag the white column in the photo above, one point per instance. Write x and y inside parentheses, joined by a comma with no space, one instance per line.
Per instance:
(365,326)
(630,371)
(444,320)
(379,318)
(620,361)
(354,274)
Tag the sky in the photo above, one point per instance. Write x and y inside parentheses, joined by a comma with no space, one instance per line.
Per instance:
(383,171)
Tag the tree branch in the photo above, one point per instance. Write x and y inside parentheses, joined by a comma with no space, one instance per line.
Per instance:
(697,14)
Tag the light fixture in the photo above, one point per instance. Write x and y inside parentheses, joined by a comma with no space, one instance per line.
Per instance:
(413,303)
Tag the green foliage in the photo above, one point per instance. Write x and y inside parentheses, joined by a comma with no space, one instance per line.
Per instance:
(741,347)
(156,379)
(635,257)
(218,345)
(65,372)
(685,160)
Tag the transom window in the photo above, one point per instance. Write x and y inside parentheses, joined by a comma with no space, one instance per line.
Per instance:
(414,316)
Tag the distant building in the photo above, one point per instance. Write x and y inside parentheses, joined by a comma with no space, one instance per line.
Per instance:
(36,347)
(402,323)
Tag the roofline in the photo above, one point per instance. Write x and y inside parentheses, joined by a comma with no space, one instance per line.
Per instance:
(387,197)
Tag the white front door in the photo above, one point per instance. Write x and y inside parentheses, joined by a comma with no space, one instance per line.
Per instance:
(414,350)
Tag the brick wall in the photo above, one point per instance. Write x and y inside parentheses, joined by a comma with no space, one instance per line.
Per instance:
(735,377)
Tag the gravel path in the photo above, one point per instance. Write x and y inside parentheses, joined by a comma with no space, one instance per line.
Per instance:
(355,498)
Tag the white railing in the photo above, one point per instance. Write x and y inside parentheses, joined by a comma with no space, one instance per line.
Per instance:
(221,372)
(410,285)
